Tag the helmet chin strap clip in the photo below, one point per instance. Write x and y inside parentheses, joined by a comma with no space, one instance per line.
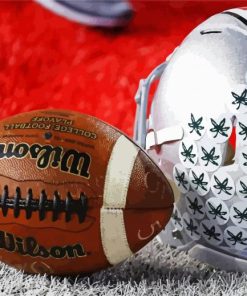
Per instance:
(164,135)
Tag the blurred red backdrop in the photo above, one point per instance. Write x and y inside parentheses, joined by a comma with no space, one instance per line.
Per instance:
(49,62)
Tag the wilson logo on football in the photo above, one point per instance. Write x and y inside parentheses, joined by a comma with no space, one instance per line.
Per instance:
(70,161)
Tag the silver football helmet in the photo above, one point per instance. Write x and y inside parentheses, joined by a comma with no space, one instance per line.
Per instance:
(200,103)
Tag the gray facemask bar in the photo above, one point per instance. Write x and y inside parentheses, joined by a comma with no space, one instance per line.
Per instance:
(141,99)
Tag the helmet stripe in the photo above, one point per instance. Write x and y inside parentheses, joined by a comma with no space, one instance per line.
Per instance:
(237,16)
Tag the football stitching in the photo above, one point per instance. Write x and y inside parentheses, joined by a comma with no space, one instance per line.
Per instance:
(43,205)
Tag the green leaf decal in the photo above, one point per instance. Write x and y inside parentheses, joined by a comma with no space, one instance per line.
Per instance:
(244,191)
(211,232)
(198,181)
(195,125)
(187,153)
(181,179)
(238,238)
(242,216)
(194,205)
(210,156)
(191,227)
(217,212)
(240,99)
(219,128)
(243,132)
(222,186)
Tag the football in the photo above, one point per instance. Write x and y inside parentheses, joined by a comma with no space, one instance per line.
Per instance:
(76,194)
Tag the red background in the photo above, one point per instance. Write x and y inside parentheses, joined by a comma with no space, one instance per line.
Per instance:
(49,62)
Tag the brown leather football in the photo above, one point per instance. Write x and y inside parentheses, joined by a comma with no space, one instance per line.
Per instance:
(76,194)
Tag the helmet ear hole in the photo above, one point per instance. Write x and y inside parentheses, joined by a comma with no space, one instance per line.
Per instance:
(231,148)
